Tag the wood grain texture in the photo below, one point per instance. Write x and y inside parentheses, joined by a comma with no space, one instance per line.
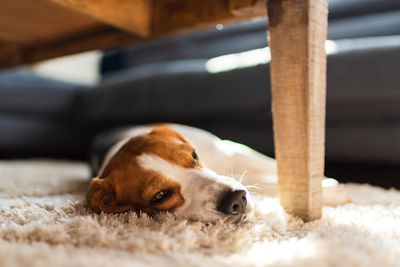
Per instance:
(248,8)
(297,32)
(133,16)
(167,17)
(180,16)
(32,22)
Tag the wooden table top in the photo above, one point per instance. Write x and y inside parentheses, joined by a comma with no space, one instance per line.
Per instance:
(34,30)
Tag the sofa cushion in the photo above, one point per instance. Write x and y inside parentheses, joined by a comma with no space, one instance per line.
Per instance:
(23,93)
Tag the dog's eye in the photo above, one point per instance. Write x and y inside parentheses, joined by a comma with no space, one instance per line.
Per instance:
(160,196)
(195,158)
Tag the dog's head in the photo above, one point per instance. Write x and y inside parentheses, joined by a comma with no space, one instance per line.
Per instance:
(160,171)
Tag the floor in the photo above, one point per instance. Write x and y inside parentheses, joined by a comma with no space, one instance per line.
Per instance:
(45,222)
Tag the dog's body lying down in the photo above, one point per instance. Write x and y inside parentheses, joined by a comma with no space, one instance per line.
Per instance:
(183,170)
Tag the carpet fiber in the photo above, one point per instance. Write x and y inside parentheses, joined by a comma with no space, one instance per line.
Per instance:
(44,221)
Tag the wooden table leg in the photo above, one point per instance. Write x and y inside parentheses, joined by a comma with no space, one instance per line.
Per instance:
(297,34)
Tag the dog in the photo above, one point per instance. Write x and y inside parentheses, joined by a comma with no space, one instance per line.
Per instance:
(182,170)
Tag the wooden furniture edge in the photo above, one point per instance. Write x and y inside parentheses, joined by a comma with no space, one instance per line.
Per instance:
(159,19)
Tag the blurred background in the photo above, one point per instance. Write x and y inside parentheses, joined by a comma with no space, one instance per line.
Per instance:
(217,80)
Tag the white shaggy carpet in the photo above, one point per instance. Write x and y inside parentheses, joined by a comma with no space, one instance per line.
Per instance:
(44,221)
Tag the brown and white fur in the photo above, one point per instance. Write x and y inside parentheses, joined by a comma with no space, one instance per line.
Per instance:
(186,171)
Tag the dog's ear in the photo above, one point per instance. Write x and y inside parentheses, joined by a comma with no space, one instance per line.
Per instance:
(101,197)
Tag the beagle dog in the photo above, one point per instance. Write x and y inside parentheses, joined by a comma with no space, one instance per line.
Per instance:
(183,170)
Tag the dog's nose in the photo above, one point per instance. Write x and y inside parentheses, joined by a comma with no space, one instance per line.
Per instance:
(233,203)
